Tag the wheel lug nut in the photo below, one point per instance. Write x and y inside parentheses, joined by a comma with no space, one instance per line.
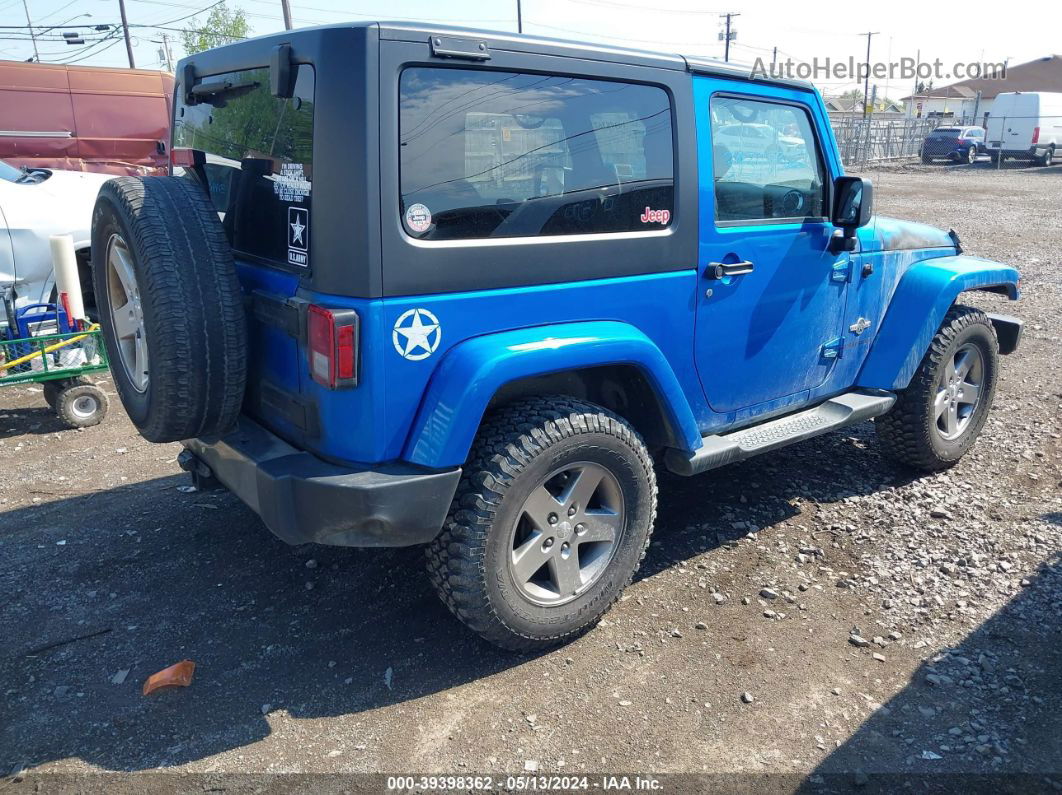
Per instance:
(547,543)
(552,518)
(571,510)
(580,528)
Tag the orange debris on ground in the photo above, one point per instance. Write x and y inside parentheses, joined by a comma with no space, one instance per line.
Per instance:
(177,675)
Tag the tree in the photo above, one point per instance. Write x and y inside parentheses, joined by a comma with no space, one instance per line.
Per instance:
(855,96)
(222,26)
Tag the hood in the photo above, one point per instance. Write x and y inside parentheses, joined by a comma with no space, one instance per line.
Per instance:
(890,234)
(65,183)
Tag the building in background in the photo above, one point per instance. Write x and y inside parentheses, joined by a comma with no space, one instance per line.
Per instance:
(85,118)
(970,101)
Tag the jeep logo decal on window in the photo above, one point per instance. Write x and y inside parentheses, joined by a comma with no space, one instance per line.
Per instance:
(651,216)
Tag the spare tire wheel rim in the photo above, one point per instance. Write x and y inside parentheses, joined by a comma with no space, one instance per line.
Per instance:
(127,314)
(566,534)
(84,407)
(959,391)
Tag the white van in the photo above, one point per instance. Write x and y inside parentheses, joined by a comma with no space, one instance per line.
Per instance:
(1025,125)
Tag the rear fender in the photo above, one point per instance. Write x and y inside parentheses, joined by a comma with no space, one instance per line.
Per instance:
(922,299)
(472,372)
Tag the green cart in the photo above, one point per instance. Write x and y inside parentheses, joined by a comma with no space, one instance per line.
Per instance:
(60,362)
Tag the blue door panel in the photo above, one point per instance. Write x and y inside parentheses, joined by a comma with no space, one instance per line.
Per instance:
(760,335)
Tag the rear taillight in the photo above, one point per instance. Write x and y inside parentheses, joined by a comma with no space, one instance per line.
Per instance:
(332,335)
(1036,134)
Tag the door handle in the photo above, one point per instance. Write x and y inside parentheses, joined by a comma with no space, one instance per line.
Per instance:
(718,270)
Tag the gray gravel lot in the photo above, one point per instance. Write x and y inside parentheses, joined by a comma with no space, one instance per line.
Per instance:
(811,612)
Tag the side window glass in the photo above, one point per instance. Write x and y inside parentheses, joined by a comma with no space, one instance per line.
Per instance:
(486,154)
(766,164)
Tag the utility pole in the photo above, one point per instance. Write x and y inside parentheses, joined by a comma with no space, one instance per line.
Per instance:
(774,60)
(287,14)
(726,49)
(125,30)
(33,36)
(519,18)
(866,77)
(166,52)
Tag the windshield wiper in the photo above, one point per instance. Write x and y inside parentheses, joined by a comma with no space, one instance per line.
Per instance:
(217,94)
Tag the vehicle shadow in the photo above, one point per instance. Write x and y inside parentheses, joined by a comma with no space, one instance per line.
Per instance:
(981,716)
(142,576)
(35,420)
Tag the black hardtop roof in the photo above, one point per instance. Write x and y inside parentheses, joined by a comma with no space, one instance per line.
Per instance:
(505,40)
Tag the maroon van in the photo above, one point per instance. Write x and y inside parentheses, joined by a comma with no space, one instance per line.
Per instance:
(85,118)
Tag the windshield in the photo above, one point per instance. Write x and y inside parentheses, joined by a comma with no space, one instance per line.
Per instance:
(9,172)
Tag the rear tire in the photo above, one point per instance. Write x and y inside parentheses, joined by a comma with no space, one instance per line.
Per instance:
(170,306)
(525,558)
(81,405)
(53,388)
(933,424)
(1048,155)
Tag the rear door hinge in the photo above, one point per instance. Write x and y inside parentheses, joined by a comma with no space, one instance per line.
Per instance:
(832,349)
(841,272)
(452,47)
(286,314)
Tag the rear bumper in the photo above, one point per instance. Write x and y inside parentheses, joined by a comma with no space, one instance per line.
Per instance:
(303,499)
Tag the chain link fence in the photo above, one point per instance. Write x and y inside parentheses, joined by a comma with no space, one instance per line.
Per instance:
(870,141)
(1005,142)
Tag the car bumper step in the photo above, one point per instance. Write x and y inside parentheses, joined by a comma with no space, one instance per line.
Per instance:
(839,412)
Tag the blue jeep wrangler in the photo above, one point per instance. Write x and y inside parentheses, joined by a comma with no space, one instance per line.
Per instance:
(411,285)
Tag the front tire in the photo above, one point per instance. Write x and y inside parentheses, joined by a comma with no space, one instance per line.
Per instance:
(81,405)
(939,416)
(549,524)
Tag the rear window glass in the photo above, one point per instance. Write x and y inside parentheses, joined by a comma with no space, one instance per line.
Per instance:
(258,161)
(488,154)
(943,132)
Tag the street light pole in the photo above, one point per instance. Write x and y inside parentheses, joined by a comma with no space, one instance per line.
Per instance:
(125,30)
(519,18)
(33,36)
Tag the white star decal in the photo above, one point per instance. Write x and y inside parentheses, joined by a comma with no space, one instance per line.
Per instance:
(297,228)
(416,334)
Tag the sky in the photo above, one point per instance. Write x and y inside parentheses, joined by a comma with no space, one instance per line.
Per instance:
(801,31)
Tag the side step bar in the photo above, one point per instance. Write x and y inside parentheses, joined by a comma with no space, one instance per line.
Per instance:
(721,449)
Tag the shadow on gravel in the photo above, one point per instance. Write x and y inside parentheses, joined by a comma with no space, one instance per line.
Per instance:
(140,577)
(19,422)
(982,716)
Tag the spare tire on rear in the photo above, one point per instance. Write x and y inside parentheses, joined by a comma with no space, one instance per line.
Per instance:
(170,306)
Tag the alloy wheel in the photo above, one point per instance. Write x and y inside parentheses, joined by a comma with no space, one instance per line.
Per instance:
(959,391)
(566,533)
(127,313)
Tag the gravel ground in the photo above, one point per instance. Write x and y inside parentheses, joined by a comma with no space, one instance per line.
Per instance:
(812,612)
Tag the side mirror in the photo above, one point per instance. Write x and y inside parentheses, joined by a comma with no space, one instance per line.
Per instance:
(853,203)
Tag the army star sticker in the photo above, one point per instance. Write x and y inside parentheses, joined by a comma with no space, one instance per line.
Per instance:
(297,228)
(416,334)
